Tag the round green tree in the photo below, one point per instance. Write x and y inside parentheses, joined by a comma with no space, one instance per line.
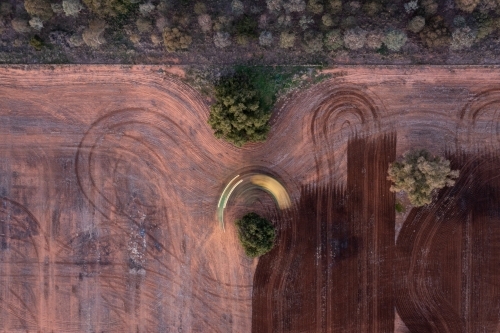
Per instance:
(420,175)
(237,115)
(256,234)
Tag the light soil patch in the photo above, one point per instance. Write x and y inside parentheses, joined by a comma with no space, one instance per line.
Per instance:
(110,178)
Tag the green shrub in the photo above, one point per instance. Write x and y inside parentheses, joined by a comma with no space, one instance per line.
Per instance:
(333,40)
(411,6)
(21,26)
(355,39)
(327,20)
(353,7)
(395,39)
(237,115)
(416,24)
(313,42)
(246,26)
(467,5)
(205,22)
(242,40)
(237,7)
(222,39)
(436,33)
(222,23)
(76,40)
(348,22)
(459,21)
(462,38)
(57,8)
(37,43)
(144,25)
(297,6)
(335,6)
(399,207)
(430,7)
(383,50)
(315,7)
(274,5)
(146,8)
(72,7)
(485,29)
(305,22)
(110,8)
(5,9)
(200,8)
(266,38)
(284,21)
(93,35)
(487,5)
(174,39)
(374,40)
(36,23)
(287,40)
(256,235)
(372,8)
(39,8)
(420,175)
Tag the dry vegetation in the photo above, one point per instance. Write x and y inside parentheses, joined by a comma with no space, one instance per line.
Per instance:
(420,175)
(175,40)
(270,32)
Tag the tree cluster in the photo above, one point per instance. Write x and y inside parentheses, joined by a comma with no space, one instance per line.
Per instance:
(237,115)
(39,8)
(175,39)
(420,175)
(110,7)
(256,234)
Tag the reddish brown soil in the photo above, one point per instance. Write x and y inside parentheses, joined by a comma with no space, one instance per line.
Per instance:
(332,268)
(110,176)
(439,112)
(453,245)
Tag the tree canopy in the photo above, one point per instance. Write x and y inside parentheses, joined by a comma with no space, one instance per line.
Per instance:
(420,175)
(237,116)
(256,234)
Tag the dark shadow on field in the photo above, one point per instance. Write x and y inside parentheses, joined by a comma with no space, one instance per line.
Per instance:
(330,270)
(344,248)
(449,253)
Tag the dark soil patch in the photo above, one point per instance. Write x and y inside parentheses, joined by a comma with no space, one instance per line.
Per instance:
(331,268)
(449,252)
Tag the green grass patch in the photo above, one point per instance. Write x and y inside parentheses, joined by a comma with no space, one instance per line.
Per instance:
(271,82)
(399,207)
(274,81)
(37,43)
(243,96)
(383,50)
(246,26)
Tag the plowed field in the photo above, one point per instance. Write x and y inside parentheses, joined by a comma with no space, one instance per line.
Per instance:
(453,245)
(339,245)
(110,178)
